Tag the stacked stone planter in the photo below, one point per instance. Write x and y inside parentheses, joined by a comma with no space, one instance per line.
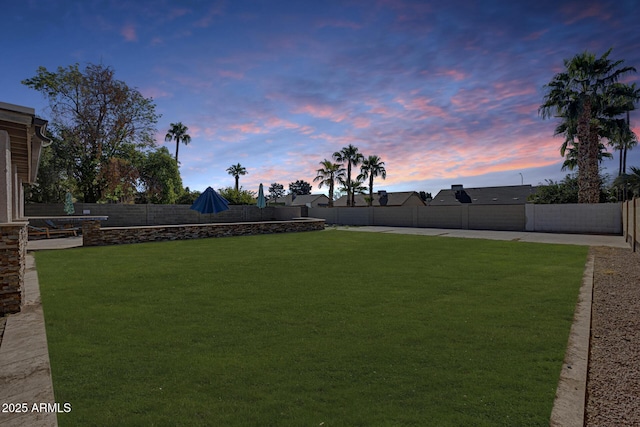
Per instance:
(93,235)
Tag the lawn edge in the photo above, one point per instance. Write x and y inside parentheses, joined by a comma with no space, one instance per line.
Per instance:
(569,404)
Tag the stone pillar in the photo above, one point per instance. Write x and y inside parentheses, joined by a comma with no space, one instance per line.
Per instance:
(6,178)
(13,251)
(91,233)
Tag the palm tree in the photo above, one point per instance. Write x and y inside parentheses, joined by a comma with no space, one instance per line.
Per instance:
(236,171)
(328,175)
(629,182)
(623,139)
(371,167)
(352,157)
(356,188)
(571,155)
(178,132)
(586,97)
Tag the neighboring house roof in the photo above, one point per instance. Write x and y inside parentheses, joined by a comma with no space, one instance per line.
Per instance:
(401,198)
(505,195)
(312,199)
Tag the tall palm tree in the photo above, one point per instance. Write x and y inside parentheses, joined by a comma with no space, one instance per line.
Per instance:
(356,187)
(571,156)
(629,182)
(622,139)
(328,175)
(586,97)
(352,157)
(178,132)
(236,171)
(371,167)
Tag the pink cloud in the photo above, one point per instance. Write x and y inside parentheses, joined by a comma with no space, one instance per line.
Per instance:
(512,88)
(205,21)
(176,13)
(339,23)
(536,35)
(154,92)
(321,111)
(248,128)
(129,33)
(231,74)
(456,75)
(423,104)
(578,11)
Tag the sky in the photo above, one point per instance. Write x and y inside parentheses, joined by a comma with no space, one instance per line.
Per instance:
(445,92)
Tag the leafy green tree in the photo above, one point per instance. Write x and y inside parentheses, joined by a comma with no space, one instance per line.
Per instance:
(160,178)
(372,167)
(352,157)
(328,174)
(629,183)
(178,133)
(236,171)
(356,187)
(565,191)
(54,177)
(239,196)
(121,177)
(94,116)
(300,188)
(276,191)
(588,97)
(188,197)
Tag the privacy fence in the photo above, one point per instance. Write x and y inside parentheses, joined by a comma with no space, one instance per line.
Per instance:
(123,215)
(568,218)
(631,222)
(605,218)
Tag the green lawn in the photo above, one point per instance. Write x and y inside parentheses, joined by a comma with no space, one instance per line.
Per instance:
(332,328)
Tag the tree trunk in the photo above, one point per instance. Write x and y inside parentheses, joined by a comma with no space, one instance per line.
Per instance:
(331,194)
(348,183)
(588,170)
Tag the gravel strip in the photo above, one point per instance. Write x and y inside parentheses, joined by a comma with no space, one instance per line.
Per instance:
(613,382)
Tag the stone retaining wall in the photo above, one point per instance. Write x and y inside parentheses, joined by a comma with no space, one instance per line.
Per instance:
(94,235)
(13,251)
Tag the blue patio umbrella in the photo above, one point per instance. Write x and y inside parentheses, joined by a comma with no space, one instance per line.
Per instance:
(210,202)
(261,200)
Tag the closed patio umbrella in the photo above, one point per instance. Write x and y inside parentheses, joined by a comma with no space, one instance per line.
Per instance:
(262,203)
(210,202)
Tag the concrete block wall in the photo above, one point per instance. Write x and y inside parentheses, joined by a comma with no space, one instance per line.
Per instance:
(631,223)
(441,216)
(596,219)
(123,215)
(502,217)
(395,216)
(600,218)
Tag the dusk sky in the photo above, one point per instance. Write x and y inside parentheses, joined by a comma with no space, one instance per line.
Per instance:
(445,92)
